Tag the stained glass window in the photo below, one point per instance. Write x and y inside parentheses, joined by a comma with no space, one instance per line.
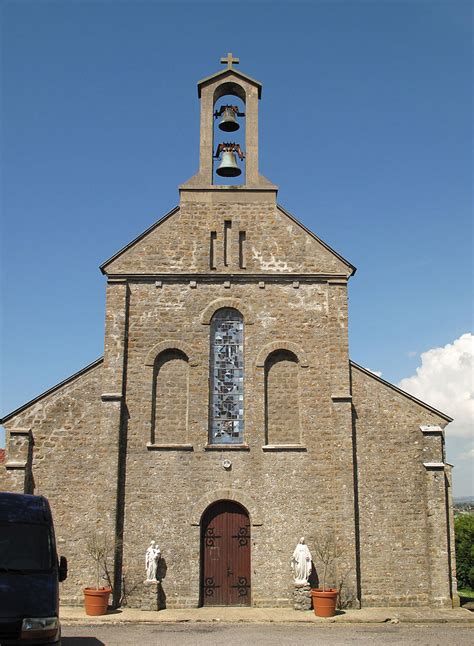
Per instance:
(227,377)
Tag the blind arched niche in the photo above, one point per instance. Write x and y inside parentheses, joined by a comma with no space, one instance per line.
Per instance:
(282,414)
(169,418)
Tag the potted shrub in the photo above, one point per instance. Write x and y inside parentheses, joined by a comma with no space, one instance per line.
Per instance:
(100,550)
(325,598)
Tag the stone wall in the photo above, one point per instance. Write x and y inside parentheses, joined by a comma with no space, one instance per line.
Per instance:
(165,482)
(404,554)
(68,453)
(125,447)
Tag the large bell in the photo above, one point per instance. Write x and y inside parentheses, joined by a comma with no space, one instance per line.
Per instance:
(228,122)
(228,166)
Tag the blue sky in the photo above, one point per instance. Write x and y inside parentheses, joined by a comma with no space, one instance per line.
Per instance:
(365,125)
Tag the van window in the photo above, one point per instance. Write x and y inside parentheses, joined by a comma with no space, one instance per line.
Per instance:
(25,547)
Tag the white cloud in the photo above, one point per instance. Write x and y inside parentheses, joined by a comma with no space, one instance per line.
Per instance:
(466,455)
(445,380)
(377,373)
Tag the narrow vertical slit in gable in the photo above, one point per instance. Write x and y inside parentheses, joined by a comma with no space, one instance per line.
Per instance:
(242,238)
(227,228)
(212,250)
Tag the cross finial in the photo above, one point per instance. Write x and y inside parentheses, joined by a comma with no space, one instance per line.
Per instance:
(229,59)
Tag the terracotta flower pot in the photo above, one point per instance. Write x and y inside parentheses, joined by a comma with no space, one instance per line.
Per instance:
(96,601)
(324,602)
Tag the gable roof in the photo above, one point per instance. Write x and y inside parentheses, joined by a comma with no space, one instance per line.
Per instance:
(138,238)
(226,72)
(400,391)
(50,391)
(315,237)
(155,225)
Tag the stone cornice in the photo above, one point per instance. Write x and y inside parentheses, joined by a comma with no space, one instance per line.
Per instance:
(16,464)
(20,431)
(285,447)
(431,429)
(227,447)
(111,397)
(235,278)
(169,447)
(434,466)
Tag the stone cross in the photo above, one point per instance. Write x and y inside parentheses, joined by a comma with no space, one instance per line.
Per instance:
(229,59)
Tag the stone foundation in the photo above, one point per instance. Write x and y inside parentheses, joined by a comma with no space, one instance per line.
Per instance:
(301,597)
(152,596)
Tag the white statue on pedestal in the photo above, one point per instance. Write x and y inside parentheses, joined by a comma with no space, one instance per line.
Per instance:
(301,563)
(152,556)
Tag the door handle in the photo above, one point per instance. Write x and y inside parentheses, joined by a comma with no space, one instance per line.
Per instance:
(229,571)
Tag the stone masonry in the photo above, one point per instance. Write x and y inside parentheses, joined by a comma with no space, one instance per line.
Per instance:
(124,444)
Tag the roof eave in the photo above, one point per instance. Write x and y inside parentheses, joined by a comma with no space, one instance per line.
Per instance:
(51,390)
(324,244)
(232,70)
(402,392)
(137,239)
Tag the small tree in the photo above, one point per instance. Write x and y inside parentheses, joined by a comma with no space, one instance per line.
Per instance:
(345,599)
(327,552)
(101,551)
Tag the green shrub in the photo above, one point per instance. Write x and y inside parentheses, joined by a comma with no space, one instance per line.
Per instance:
(464,531)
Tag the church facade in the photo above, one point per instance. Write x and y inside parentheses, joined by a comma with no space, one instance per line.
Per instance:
(226,419)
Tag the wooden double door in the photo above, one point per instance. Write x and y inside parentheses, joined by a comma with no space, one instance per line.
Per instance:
(225,553)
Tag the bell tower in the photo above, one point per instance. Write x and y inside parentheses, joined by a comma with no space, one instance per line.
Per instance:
(228,162)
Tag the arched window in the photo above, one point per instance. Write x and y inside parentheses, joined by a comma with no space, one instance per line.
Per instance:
(227,377)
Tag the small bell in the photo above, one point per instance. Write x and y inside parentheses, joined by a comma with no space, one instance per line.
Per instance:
(228,122)
(228,166)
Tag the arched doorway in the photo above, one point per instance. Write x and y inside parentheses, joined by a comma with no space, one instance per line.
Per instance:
(225,555)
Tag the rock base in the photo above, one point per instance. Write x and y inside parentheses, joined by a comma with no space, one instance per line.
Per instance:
(301,596)
(153,596)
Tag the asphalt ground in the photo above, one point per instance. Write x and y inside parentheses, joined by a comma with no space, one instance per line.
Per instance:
(268,634)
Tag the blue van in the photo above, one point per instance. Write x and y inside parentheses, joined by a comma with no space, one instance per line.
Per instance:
(29,571)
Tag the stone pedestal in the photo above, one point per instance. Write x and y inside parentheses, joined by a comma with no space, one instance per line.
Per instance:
(301,596)
(153,596)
